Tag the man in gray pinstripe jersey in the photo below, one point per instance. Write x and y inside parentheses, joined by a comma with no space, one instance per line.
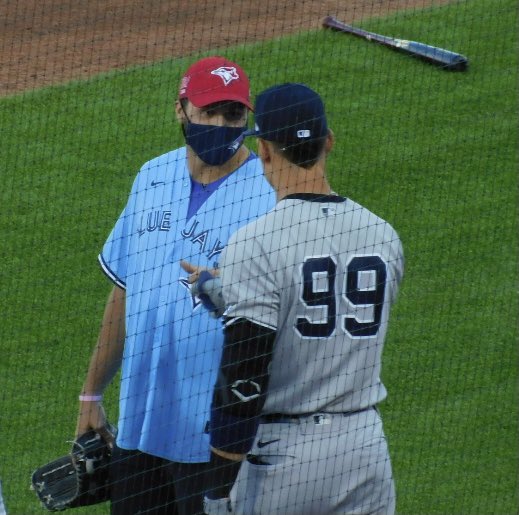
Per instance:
(308,289)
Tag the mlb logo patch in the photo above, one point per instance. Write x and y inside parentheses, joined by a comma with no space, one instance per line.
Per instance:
(226,73)
(328,211)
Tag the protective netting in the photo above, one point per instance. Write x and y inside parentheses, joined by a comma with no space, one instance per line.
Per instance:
(88,98)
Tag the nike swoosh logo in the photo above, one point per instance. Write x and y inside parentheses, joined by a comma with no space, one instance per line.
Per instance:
(262,444)
(156,183)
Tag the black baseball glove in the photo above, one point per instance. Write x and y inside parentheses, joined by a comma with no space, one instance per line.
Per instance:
(78,479)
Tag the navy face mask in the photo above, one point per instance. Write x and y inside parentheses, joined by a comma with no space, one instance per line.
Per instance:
(213,144)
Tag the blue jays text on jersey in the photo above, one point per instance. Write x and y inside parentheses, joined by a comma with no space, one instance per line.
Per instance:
(161,221)
(172,347)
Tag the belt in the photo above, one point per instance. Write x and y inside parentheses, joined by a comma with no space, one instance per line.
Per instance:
(318,418)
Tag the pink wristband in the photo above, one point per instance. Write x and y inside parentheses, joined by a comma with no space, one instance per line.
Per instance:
(91,398)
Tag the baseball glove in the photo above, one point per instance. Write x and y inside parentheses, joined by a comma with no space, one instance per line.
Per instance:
(78,479)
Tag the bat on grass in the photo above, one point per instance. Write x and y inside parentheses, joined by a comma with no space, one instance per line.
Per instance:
(439,56)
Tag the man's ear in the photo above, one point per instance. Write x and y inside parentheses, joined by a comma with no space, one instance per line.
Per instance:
(330,141)
(264,151)
(179,112)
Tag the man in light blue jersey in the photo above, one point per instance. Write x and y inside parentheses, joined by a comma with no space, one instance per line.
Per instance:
(182,208)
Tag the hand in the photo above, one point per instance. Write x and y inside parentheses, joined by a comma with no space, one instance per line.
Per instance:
(218,506)
(195,271)
(92,416)
(205,284)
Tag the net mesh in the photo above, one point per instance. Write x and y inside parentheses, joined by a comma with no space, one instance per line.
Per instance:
(88,93)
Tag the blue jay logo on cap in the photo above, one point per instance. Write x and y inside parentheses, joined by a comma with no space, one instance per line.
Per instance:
(226,73)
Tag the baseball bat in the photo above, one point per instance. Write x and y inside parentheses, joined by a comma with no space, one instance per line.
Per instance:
(438,56)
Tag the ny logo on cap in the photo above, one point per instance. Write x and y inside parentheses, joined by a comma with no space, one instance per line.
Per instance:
(226,73)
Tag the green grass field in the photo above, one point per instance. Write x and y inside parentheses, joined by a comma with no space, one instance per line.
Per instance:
(433,152)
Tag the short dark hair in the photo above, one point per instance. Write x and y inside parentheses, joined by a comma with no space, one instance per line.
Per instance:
(304,154)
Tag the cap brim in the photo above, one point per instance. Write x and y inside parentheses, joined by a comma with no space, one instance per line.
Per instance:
(206,99)
(239,140)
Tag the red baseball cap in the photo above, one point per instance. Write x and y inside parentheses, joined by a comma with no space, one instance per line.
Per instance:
(214,79)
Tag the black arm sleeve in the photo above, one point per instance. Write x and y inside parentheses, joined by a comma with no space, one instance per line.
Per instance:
(241,387)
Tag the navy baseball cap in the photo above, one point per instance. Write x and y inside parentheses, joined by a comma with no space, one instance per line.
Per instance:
(289,114)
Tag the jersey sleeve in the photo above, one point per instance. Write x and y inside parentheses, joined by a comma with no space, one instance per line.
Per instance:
(113,258)
(396,263)
(248,281)
(115,253)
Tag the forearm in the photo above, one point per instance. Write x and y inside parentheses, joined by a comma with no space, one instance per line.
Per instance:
(107,356)
(238,399)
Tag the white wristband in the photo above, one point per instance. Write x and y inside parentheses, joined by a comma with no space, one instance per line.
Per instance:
(91,398)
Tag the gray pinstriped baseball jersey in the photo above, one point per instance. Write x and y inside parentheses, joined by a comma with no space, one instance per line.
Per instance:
(328,296)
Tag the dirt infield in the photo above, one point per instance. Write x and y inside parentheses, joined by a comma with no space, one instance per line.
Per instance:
(46,42)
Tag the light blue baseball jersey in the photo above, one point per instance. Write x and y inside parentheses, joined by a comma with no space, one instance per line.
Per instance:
(173,347)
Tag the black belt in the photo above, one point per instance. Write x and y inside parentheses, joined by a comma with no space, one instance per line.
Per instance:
(281,418)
